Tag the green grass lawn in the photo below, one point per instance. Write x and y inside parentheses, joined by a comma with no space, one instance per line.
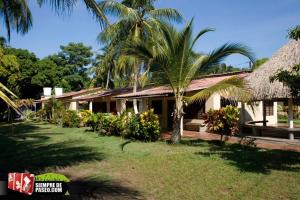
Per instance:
(98,168)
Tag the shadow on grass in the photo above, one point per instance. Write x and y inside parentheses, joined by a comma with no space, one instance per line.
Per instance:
(249,159)
(89,190)
(86,189)
(27,149)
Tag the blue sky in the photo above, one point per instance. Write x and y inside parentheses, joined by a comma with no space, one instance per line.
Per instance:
(260,24)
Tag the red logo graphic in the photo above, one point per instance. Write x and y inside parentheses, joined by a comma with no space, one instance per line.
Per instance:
(21,182)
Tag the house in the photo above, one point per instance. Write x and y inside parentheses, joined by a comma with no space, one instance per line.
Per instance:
(161,99)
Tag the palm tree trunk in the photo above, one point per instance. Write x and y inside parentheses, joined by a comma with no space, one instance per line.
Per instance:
(178,114)
(176,135)
(135,85)
(107,79)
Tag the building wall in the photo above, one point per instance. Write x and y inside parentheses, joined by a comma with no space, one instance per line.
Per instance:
(73,105)
(256,113)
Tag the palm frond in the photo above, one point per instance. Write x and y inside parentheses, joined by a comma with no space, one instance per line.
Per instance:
(167,13)
(6,99)
(218,55)
(202,32)
(60,6)
(233,88)
(119,10)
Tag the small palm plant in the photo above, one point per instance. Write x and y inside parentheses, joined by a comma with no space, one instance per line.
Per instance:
(173,52)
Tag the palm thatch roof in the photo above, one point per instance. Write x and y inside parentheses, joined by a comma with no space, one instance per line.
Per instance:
(285,58)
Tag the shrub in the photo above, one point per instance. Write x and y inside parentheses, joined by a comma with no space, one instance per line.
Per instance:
(41,115)
(28,115)
(110,124)
(70,119)
(85,117)
(223,121)
(93,121)
(144,127)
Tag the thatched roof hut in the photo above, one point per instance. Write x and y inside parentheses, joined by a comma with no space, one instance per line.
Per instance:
(285,58)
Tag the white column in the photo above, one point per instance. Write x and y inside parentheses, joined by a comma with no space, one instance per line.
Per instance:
(290,117)
(181,126)
(121,105)
(73,105)
(91,106)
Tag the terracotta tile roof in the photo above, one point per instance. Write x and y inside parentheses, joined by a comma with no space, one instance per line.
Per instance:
(106,93)
(78,93)
(195,85)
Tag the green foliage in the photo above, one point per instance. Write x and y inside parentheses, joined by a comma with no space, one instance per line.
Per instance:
(259,62)
(172,51)
(16,16)
(70,119)
(28,115)
(41,115)
(51,177)
(29,68)
(144,127)
(85,117)
(9,71)
(220,68)
(290,78)
(223,121)
(110,124)
(93,121)
(294,33)
(48,74)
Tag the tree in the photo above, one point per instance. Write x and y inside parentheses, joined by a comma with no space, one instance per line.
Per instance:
(16,16)
(9,71)
(294,33)
(173,52)
(28,68)
(48,74)
(103,67)
(73,61)
(137,20)
(219,68)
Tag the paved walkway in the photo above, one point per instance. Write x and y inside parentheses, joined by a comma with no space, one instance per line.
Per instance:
(261,142)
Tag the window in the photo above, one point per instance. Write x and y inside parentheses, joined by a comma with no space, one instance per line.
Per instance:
(269,106)
(194,110)
(228,102)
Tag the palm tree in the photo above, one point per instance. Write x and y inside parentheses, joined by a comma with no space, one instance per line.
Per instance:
(138,20)
(173,52)
(6,99)
(103,67)
(16,16)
